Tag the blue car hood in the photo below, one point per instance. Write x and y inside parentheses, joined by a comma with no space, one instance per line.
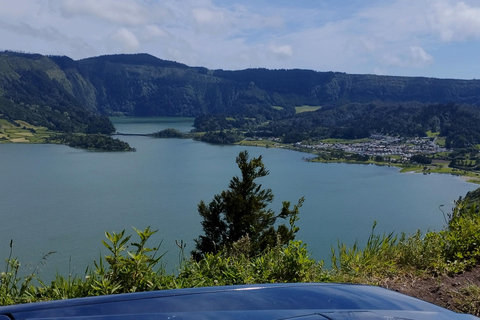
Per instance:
(306,301)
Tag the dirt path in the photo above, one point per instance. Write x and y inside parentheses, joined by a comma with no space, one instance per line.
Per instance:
(459,293)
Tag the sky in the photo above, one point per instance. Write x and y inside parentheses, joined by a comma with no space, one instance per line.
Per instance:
(431,38)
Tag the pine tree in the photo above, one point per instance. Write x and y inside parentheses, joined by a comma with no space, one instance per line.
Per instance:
(242,212)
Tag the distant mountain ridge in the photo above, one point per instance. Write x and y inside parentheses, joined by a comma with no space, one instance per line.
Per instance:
(70,95)
(144,85)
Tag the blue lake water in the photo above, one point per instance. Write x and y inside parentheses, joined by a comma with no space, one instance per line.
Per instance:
(56,198)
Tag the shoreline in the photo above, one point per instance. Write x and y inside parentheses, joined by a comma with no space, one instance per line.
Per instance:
(467,176)
(440,168)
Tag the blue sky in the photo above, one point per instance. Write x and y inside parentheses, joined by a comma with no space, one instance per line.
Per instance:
(432,38)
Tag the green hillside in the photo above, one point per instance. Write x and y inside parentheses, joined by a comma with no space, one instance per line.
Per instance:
(65,95)
(34,89)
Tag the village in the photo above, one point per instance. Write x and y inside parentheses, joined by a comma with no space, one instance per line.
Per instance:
(381,145)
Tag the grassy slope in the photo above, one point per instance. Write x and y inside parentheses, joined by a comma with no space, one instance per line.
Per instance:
(301,109)
(23,133)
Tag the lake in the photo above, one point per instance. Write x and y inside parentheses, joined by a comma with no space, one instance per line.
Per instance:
(56,198)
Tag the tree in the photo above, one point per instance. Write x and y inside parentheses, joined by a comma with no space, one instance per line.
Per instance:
(421,159)
(241,213)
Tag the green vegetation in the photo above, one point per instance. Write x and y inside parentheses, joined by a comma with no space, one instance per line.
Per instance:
(168,133)
(221,137)
(301,109)
(431,134)
(441,141)
(37,98)
(240,214)
(450,125)
(22,132)
(70,96)
(92,142)
(259,143)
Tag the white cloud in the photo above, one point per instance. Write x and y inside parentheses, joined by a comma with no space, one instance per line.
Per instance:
(455,22)
(395,33)
(418,57)
(17,8)
(282,51)
(414,57)
(24,29)
(114,11)
(449,20)
(127,40)
(206,16)
(153,32)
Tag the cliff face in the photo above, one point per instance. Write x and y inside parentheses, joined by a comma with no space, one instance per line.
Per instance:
(142,85)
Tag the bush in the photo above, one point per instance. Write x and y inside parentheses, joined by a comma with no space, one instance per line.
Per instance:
(386,255)
(283,263)
(452,250)
(462,236)
(242,211)
(138,270)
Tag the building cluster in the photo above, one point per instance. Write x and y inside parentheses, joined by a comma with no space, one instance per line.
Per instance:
(380,145)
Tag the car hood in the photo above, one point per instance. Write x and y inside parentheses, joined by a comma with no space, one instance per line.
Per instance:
(273,301)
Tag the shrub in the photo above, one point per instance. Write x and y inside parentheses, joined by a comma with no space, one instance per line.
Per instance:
(283,263)
(137,270)
(386,255)
(462,236)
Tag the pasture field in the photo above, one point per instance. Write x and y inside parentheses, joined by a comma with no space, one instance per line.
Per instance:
(301,109)
(23,132)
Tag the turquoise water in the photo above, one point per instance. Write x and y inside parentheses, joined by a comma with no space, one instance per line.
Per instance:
(56,198)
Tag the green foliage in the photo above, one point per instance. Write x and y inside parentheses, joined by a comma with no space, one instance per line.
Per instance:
(377,256)
(241,211)
(462,237)
(63,288)
(168,133)
(140,269)
(68,96)
(130,272)
(456,123)
(13,288)
(205,123)
(281,263)
(467,300)
(451,250)
(306,109)
(421,159)
(222,137)
(94,142)
(386,255)
(35,90)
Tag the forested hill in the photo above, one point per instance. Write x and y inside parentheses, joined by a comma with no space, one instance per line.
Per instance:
(321,88)
(68,95)
(33,88)
(144,85)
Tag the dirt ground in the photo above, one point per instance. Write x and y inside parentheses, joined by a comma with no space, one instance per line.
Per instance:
(452,292)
